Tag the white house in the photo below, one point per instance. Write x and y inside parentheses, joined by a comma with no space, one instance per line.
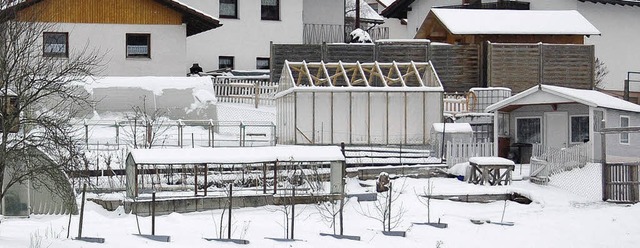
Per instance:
(250,25)
(617,20)
(137,38)
(559,117)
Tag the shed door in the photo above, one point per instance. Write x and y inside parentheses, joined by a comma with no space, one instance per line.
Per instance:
(556,129)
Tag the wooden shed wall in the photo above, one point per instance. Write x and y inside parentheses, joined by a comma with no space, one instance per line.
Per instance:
(102,11)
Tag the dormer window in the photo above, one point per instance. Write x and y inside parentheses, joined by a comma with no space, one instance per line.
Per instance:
(55,44)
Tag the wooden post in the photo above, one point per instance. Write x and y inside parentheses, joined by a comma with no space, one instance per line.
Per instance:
(206,178)
(153,213)
(603,161)
(230,207)
(195,178)
(84,190)
(257,93)
(275,177)
(264,178)
(633,176)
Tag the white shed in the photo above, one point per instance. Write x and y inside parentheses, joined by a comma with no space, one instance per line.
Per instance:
(358,103)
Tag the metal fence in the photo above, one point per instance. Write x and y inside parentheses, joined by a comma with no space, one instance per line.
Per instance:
(335,33)
(114,135)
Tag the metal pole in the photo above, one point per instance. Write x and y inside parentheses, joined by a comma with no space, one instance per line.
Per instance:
(275,177)
(153,213)
(357,14)
(293,210)
(230,204)
(389,220)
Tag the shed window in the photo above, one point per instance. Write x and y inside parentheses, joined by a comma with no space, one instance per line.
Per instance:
(579,129)
(270,9)
(228,9)
(55,44)
(528,130)
(624,122)
(262,63)
(138,46)
(225,62)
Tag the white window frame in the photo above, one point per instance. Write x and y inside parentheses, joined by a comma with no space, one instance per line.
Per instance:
(627,134)
(528,117)
(571,129)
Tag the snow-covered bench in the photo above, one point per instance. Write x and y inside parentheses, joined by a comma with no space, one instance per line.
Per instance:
(491,170)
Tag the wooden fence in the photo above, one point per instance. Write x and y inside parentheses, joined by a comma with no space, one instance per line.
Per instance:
(256,91)
(621,181)
(458,66)
(528,64)
(461,152)
(455,104)
(461,67)
(557,160)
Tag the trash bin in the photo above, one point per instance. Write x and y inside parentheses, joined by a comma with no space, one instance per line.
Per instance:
(522,152)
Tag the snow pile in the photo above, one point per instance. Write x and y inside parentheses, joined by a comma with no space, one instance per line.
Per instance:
(360,36)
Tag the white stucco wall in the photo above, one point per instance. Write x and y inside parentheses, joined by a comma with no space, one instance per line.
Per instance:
(168,48)
(620,27)
(245,38)
(323,12)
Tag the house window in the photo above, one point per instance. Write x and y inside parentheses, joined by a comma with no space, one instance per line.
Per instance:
(624,122)
(579,129)
(225,62)
(262,63)
(528,130)
(138,46)
(228,9)
(55,44)
(270,10)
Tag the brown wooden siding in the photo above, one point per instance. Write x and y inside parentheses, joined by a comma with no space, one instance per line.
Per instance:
(102,11)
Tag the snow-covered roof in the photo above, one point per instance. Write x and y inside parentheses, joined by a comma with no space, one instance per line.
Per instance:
(532,22)
(155,84)
(453,127)
(367,13)
(490,161)
(548,94)
(196,20)
(237,155)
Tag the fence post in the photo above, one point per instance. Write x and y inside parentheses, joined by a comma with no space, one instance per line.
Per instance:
(603,161)
(257,93)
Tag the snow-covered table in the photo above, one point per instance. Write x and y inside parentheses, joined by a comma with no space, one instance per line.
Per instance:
(488,170)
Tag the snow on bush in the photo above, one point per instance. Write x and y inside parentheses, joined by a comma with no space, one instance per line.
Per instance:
(360,36)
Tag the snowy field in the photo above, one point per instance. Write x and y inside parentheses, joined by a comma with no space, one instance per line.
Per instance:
(556,218)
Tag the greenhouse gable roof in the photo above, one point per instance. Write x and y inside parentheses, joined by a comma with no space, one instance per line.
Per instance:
(362,77)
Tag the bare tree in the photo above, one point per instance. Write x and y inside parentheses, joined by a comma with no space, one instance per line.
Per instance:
(600,72)
(151,123)
(40,96)
(385,209)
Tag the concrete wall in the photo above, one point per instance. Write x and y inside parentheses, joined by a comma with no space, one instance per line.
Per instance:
(168,48)
(245,38)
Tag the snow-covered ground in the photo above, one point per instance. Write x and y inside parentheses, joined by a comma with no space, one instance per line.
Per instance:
(556,218)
